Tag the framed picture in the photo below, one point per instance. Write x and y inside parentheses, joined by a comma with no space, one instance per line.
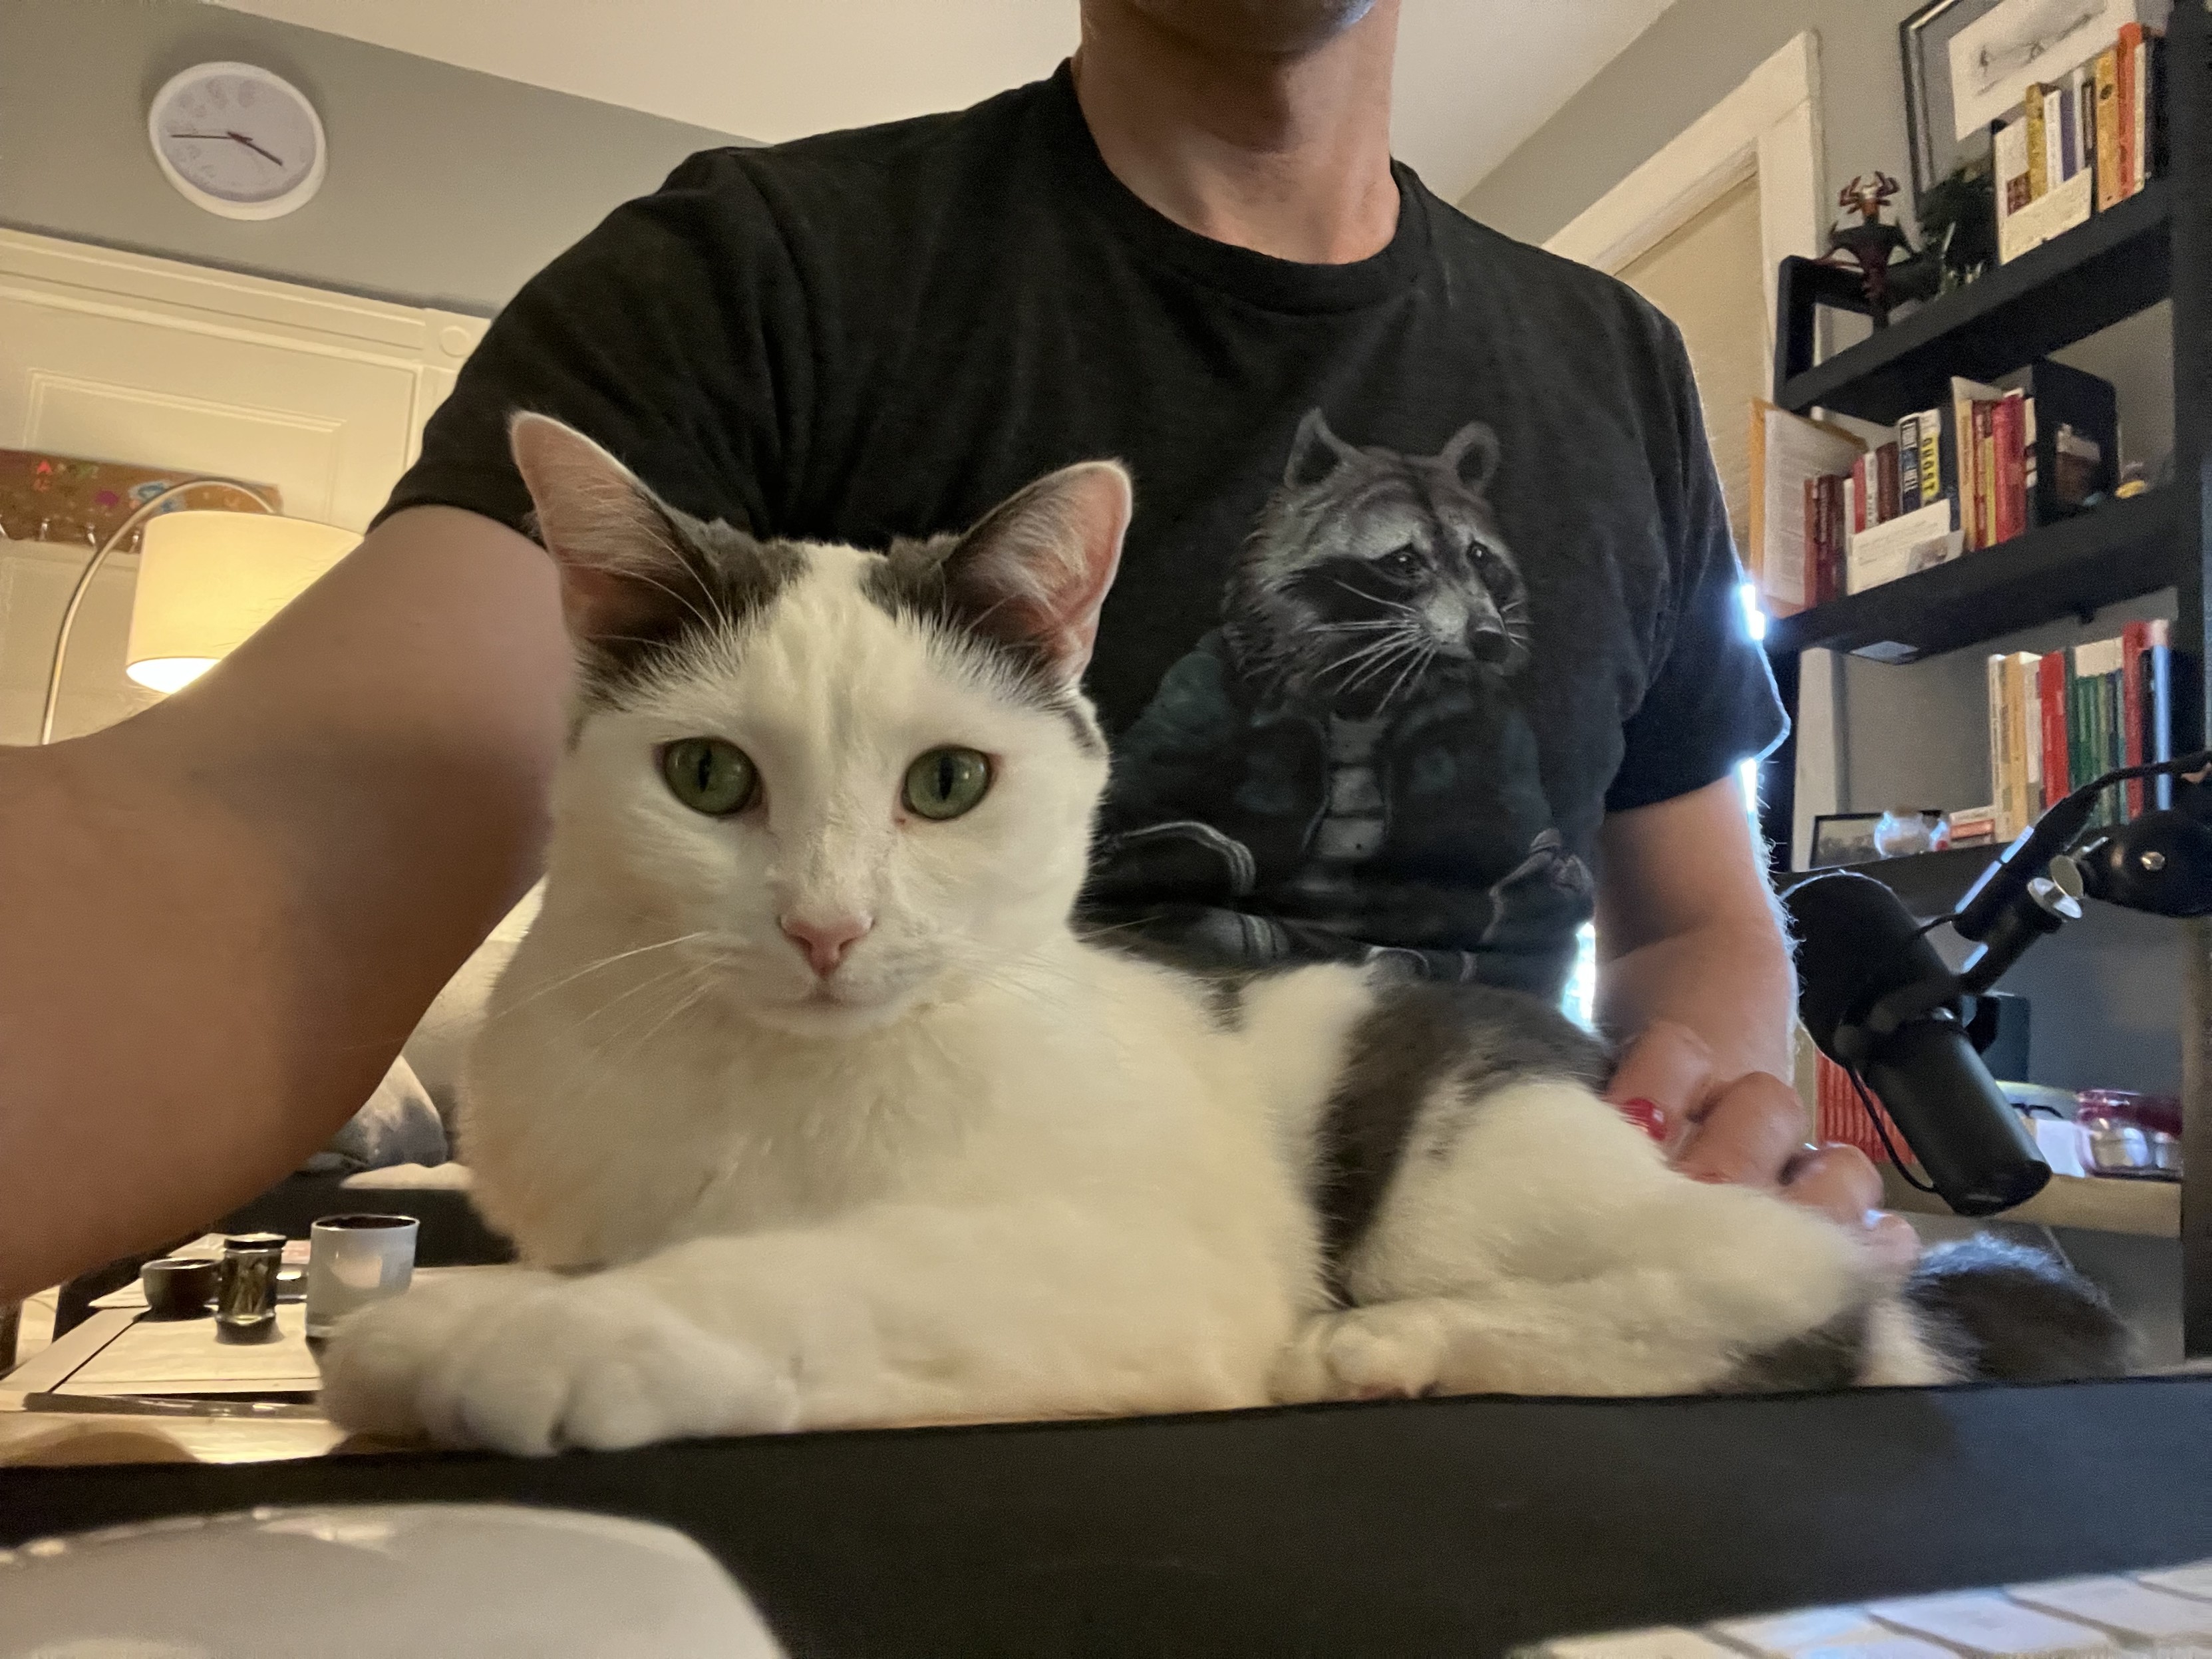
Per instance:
(1843,838)
(1968,62)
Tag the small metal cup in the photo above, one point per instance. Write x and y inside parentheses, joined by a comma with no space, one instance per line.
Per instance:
(245,1283)
(356,1259)
(178,1286)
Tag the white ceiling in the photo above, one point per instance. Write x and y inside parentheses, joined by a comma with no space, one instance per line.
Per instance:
(1475,77)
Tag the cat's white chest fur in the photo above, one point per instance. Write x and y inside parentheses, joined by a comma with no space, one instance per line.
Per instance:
(604,1125)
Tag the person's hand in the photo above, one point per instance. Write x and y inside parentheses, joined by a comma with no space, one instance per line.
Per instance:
(1750,1131)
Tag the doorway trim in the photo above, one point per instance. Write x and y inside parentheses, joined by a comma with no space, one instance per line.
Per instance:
(1768,129)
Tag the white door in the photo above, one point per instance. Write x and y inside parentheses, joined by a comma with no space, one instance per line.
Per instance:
(1709,277)
(116,356)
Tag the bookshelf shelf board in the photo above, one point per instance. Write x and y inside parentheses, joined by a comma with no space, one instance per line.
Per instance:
(2075,567)
(1929,884)
(2101,272)
(2103,1204)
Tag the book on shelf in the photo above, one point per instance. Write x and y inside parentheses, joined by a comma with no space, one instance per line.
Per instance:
(1962,423)
(1903,546)
(2060,720)
(2074,439)
(1937,462)
(2051,696)
(2108,128)
(1993,462)
(1972,826)
(1989,471)
(2007,480)
(2034,146)
(2080,145)
(1792,519)
(2015,739)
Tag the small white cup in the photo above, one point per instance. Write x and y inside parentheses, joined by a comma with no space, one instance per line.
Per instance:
(356,1259)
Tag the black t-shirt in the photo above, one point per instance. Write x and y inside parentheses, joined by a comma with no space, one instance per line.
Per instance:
(1429,571)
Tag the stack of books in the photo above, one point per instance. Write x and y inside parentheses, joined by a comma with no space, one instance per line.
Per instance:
(2082,144)
(1972,487)
(2062,719)
(1800,521)
(1834,513)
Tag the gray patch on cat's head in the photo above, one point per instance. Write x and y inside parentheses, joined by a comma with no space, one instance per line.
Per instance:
(912,582)
(644,587)
(1370,571)
(1017,596)
(725,584)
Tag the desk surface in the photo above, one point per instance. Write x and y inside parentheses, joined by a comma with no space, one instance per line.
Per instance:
(118,1357)
(1459,1527)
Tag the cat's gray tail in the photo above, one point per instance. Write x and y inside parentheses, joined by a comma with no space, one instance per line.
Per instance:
(2004,1312)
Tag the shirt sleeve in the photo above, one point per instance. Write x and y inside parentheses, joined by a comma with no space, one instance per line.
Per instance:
(1710,703)
(653,336)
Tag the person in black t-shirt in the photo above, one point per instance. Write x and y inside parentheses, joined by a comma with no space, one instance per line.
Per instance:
(1426,643)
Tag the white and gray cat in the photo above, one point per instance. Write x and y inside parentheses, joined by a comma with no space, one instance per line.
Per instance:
(807,1106)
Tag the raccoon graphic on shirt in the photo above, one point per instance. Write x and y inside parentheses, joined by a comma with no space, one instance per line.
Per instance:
(1316,771)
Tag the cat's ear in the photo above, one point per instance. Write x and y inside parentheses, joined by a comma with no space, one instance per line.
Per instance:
(627,572)
(1315,452)
(1036,569)
(1472,454)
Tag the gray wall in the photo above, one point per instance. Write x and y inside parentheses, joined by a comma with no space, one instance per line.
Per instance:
(1697,53)
(446,187)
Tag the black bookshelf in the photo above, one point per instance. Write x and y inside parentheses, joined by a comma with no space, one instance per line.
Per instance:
(2156,246)
(2101,272)
(2073,568)
(1930,884)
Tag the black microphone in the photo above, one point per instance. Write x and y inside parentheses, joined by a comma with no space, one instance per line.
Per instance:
(1877,999)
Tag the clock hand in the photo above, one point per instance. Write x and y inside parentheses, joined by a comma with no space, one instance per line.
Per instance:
(236,138)
(255,148)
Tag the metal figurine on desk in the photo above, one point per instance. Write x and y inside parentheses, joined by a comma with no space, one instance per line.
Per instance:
(1863,237)
(245,1286)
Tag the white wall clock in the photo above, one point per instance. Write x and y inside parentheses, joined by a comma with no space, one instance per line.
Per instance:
(237,140)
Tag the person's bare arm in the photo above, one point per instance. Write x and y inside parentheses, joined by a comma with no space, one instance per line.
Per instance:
(1688,932)
(1695,977)
(220,919)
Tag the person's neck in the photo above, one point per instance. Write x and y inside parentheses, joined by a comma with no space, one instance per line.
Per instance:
(1288,156)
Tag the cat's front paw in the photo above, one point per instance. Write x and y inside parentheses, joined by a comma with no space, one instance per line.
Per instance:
(1394,1351)
(528,1363)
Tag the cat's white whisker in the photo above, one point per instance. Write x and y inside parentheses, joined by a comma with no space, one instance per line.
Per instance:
(507,1009)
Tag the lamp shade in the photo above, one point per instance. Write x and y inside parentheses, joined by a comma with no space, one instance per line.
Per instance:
(208,580)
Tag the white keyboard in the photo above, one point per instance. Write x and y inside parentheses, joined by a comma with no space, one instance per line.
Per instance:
(2165,1613)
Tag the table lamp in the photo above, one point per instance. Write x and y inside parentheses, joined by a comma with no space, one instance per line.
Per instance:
(208,580)
(205,581)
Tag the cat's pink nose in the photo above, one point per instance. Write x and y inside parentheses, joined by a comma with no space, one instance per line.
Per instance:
(824,943)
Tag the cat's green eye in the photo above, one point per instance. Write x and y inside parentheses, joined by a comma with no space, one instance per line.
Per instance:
(709,775)
(946,782)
